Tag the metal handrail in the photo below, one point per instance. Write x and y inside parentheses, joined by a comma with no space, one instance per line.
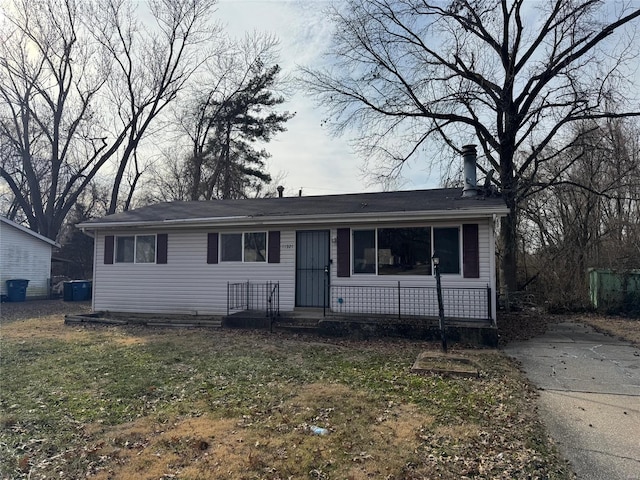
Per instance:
(473,303)
(242,296)
(274,298)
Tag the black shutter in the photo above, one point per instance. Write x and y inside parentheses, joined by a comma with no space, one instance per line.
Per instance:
(161,248)
(108,249)
(470,251)
(274,247)
(212,248)
(344,252)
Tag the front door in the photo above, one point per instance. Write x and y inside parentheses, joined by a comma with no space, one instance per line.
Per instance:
(312,258)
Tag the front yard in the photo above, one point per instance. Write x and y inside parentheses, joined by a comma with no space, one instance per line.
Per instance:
(131,402)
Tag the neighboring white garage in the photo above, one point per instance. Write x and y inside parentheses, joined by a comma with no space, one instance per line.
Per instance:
(25,254)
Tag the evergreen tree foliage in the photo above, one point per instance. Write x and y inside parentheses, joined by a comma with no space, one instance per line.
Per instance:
(233,164)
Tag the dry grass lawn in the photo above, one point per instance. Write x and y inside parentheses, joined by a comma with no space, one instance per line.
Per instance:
(131,402)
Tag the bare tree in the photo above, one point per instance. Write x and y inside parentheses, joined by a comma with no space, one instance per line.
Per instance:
(589,216)
(512,74)
(64,65)
(234,110)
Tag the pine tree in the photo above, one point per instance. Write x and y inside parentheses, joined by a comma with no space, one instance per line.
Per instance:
(233,164)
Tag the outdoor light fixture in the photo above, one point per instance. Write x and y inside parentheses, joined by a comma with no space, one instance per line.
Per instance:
(436,260)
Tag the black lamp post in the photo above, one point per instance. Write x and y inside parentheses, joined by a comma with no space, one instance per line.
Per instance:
(436,268)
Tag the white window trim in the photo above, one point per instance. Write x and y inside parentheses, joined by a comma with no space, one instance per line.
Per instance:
(135,248)
(431,229)
(266,243)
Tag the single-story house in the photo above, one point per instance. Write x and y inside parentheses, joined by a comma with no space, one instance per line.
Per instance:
(25,255)
(366,253)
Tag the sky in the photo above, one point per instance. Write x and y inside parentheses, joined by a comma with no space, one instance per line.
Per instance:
(306,153)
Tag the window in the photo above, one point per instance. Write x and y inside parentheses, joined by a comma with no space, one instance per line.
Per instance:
(145,248)
(125,246)
(364,251)
(136,249)
(404,251)
(446,245)
(255,247)
(247,247)
(231,247)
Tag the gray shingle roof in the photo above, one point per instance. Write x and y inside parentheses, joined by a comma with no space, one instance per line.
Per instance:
(434,200)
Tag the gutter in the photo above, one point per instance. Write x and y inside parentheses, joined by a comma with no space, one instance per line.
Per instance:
(335,219)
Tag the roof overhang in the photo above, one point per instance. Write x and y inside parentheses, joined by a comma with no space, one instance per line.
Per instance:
(29,231)
(298,220)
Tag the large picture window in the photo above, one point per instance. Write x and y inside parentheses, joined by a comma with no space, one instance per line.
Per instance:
(136,249)
(404,251)
(247,247)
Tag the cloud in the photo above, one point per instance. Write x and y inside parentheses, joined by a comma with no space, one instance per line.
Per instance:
(312,159)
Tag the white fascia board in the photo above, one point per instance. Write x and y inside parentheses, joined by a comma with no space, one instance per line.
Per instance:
(333,219)
(30,232)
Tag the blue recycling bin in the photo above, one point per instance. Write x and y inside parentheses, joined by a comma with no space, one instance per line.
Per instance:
(17,289)
(76,291)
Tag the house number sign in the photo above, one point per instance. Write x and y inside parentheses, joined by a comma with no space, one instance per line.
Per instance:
(287,246)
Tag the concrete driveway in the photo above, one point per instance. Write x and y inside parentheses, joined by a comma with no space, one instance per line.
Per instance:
(589,386)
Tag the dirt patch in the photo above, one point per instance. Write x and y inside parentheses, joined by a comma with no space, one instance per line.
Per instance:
(209,447)
(12,311)
(52,327)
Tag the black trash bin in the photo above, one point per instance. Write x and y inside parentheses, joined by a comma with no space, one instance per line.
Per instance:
(17,289)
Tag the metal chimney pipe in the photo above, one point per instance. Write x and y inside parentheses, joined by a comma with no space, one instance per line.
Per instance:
(280,190)
(469,158)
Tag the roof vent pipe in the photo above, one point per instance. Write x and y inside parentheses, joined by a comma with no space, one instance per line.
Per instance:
(469,158)
(280,190)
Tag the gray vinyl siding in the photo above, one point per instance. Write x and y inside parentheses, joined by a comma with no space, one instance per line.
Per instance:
(186,284)
(22,256)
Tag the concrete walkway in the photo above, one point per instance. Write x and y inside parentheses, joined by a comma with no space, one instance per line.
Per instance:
(589,397)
